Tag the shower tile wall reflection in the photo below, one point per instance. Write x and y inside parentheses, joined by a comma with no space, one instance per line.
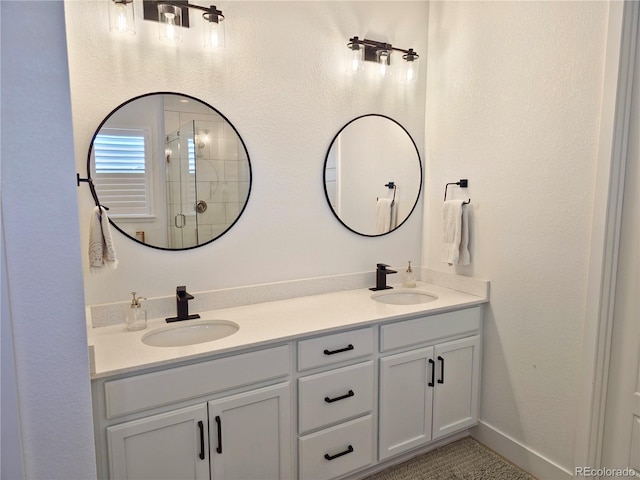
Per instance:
(212,172)
(221,166)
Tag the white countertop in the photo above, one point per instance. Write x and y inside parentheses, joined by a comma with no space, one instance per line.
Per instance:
(118,351)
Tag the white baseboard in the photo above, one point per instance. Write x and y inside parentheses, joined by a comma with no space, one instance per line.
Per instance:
(519,454)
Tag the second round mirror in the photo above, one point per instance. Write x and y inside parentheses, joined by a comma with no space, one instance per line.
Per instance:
(372,175)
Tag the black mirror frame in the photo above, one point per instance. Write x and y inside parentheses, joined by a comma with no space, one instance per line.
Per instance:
(197,100)
(326,193)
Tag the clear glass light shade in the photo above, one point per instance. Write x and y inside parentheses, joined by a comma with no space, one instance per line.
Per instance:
(384,60)
(121,17)
(214,37)
(170,18)
(409,70)
(355,59)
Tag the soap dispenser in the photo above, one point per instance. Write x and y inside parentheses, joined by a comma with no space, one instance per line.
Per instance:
(136,316)
(408,279)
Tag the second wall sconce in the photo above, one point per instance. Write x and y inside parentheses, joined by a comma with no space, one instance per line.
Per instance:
(365,50)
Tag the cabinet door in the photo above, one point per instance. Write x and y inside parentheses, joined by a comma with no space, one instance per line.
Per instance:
(171,446)
(406,396)
(251,435)
(455,403)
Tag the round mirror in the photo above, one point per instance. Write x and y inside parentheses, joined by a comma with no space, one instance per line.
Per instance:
(172,170)
(372,175)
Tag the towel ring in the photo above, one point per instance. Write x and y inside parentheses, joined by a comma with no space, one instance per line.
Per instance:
(463,183)
(390,186)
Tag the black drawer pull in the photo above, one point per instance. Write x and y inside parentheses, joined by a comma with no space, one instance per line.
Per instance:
(441,360)
(332,457)
(332,352)
(433,372)
(219,422)
(347,395)
(201,427)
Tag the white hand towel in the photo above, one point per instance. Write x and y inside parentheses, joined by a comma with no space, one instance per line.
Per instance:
(383,215)
(455,235)
(465,256)
(394,215)
(101,250)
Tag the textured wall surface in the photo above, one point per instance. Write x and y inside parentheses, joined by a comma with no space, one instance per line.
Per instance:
(42,278)
(281,82)
(513,102)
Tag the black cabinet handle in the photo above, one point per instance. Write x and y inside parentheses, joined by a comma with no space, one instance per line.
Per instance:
(219,424)
(433,372)
(347,395)
(441,360)
(332,457)
(201,427)
(332,352)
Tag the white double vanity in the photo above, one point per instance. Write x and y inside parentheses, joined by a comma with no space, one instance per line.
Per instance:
(336,385)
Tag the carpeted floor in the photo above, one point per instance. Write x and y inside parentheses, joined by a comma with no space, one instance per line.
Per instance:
(465,459)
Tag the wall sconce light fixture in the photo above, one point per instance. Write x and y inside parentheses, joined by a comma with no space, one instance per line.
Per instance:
(361,51)
(121,17)
(172,15)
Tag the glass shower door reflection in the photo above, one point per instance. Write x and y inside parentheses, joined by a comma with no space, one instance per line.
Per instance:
(182,223)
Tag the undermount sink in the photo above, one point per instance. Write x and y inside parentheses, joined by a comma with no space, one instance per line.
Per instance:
(191,332)
(404,297)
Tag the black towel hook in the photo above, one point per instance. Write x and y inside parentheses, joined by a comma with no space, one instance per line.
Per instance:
(462,183)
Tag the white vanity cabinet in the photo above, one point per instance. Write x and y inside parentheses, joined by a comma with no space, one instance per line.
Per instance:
(251,435)
(335,406)
(217,436)
(243,436)
(429,392)
(168,446)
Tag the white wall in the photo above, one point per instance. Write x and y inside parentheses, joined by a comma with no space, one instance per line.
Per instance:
(43,280)
(281,82)
(513,103)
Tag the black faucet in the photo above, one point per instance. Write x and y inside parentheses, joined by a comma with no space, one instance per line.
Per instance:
(381,277)
(182,306)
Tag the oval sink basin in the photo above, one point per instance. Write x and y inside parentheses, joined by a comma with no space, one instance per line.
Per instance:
(191,332)
(404,297)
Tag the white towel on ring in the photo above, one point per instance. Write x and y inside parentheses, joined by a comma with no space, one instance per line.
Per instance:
(455,235)
(101,250)
(383,215)
(465,256)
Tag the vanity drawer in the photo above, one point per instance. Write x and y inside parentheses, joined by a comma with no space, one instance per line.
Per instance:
(336,395)
(429,329)
(320,351)
(134,394)
(336,451)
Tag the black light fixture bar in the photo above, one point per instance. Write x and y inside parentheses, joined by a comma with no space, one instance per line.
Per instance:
(371,47)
